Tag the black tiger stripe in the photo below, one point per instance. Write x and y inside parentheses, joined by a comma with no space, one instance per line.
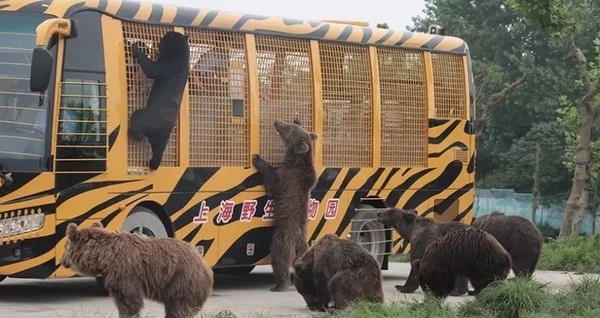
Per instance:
(387,180)
(189,183)
(464,213)
(85,187)
(460,50)
(247,17)
(447,202)
(190,236)
(113,137)
(128,9)
(103,4)
(324,183)
(394,196)
(434,122)
(345,34)
(405,37)
(471,165)
(458,144)
(406,171)
(157,12)
(469,127)
(236,253)
(185,16)
(367,33)
(441,137)
(109,202)
(436,186)
(356,199)
(31,196)
(206,244)
(431,44)
(38,6)
(385,37)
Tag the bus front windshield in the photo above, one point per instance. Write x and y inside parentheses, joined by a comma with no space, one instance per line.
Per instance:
(23,121)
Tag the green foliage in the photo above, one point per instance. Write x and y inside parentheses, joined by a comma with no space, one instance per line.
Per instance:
(572,254)
(512,298)
(548,232)
(552,15)
(383,25)
(581,295)
(401,258)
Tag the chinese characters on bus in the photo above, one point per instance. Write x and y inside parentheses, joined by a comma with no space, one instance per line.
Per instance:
(249,207)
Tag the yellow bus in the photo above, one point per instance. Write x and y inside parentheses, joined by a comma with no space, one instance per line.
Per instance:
(393,110)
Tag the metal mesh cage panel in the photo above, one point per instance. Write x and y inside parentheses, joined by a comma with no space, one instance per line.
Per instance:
(449,85)
(347,132)
(138,88)
(403,107)
(218,99)
(285,79)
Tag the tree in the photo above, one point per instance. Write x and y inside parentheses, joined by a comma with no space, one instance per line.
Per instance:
(566,21)
(517,70)
(383,25)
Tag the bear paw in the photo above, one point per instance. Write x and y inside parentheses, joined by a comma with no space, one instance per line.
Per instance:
(404,289)
(279,288)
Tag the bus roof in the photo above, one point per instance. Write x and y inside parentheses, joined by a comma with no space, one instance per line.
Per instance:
(223,20)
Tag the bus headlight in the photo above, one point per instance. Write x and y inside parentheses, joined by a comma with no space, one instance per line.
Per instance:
(21,224)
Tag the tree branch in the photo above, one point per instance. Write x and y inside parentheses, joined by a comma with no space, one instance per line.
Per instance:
(493,100)
(589,90)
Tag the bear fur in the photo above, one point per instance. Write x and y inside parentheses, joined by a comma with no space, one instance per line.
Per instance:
(289,186)
(419,231)
(333,273)
(170,74)
(519,236)
(133,267)
(469,252)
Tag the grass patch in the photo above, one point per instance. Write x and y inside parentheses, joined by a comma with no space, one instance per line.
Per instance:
(517,297)
(400,258)
(580,254)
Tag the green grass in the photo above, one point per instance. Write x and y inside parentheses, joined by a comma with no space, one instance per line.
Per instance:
(400,258)
(517,297)
(580,254)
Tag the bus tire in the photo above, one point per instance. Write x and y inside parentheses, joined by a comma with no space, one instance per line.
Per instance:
(141,221)
(237,271)
(368,232)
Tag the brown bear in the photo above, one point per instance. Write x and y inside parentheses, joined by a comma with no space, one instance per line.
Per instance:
(289,186)
(334,273)
(519,236)
(469,252)
(419,231)
(165,270)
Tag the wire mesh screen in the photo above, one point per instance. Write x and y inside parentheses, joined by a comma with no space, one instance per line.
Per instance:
(449,85)
(138,89)
(218,99)
(403,107)
(347,133)
(285,79)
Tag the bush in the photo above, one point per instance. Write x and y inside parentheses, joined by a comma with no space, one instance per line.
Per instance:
(548,231)
(572,254)
(512,298)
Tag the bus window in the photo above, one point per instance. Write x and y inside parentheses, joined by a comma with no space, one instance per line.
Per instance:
(218,99)
(403,107)
(348,131)
(23,121)
(286,89)
(449,86)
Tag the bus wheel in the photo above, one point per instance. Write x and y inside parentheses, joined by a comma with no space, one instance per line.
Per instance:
(237,271)
(141,221)
(368,232)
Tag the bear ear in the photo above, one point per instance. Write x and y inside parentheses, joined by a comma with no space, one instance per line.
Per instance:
(72,231)
(413,211)
(409,217)
(303,148)
(314,136)
(97,224)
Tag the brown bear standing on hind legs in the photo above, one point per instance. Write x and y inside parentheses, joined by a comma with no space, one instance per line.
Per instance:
(469,252)
(165,270)
(289,186)
(519,236)
(338,271)
(419,231)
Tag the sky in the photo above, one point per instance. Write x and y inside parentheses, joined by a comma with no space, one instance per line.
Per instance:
(397,16)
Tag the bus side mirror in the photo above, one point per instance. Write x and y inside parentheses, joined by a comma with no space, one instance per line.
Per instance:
(41,68)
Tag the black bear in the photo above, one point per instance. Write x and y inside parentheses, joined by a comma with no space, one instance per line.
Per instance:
(519,236)
(469,252)
(289,186)
(419,231)
(335,273)
(170,74)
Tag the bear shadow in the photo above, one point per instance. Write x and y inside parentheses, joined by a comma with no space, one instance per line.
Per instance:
(50,290)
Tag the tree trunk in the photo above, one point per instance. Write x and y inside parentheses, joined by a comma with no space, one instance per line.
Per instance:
(581,160)
(583,204)
(535,202)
